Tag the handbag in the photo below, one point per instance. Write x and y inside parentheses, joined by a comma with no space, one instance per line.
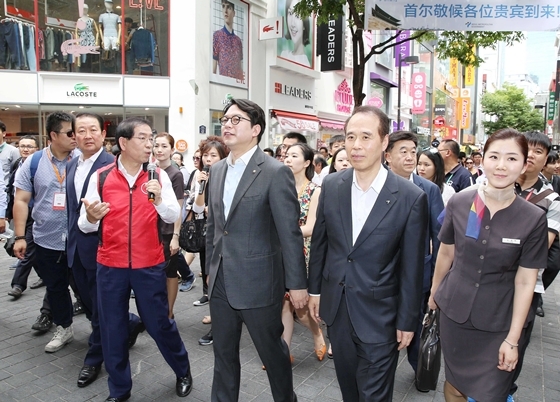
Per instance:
(429,353)
(192,237)
(9,246)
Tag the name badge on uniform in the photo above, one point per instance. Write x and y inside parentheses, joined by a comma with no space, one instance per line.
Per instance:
(511,241)
(59,201)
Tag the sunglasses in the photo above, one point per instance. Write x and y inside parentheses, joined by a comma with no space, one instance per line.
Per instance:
(196,158)
(69,134)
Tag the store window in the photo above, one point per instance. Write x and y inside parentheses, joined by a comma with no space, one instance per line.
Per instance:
(89,38)
(379,96)
(215,125)
(20,120)
(425,62)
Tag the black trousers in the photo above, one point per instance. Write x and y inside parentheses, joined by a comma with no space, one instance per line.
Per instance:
(365,371)
(24,265)
(265,327)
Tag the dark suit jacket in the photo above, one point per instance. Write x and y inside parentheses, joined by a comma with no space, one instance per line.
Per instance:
(260,245)
(83,243)
(435,206)
(382,272)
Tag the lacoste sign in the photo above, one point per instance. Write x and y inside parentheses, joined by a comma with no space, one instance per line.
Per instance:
(81,91)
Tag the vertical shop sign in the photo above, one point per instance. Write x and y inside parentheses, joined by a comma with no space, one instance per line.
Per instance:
(418,93)
(453,72)
(330,44)
(551,106)
(557,94)
(465,104)
(469,76)
(402,50)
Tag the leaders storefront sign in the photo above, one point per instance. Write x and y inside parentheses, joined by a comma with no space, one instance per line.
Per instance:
(474,15)
(330,44)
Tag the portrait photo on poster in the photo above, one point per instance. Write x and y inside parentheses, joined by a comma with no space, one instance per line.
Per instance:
(230,42)
(297,43)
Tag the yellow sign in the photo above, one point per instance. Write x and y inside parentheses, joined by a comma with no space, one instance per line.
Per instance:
(469,76)
(465,107)
(454,72)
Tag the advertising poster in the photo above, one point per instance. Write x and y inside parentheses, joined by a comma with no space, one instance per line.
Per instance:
(297,44)
(230,42)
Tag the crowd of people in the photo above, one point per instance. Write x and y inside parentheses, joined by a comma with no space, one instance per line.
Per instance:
(364,235)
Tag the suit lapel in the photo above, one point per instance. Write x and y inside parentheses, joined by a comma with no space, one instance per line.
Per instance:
(385,201)
(249,175)
(416,180)
(71,189)
(345,202)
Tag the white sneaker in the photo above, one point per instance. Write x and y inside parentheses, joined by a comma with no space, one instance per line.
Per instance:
(61,337)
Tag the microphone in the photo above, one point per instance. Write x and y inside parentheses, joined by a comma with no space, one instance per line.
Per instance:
(151,176)
(206,169)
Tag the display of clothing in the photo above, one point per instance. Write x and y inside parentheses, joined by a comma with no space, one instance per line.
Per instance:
(87,38)
(143,46)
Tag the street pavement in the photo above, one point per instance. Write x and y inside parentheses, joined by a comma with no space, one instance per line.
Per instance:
(29,374)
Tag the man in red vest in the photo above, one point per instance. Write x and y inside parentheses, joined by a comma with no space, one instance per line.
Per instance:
(124,203)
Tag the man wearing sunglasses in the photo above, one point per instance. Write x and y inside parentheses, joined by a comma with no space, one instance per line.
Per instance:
(47,189)
(455,175)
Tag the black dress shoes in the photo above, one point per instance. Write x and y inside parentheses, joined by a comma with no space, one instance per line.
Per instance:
(119,399)
(184,385)
(43,323)
(88,374)
(133,336)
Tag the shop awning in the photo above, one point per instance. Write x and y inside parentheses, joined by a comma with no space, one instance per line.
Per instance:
(383,81)
(332,124)
(296,121)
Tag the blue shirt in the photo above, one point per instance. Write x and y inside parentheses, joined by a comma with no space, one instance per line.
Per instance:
(50,228)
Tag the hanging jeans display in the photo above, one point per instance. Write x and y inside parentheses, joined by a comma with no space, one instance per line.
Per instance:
(10,44)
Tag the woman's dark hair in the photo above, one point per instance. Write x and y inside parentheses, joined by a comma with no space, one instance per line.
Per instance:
(269,151)
(332,169)
(278,152)
(306,25)
(308,155)
(551,158)
(439,168)
(180,156)
(213,141)
(508,134)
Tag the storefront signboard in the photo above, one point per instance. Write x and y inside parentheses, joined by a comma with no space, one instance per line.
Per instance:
(291,92)
(418,93)
(80,89)
(343,98)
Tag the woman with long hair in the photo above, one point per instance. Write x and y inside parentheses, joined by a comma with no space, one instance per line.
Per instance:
(212,150)
(339,161)
(299,158)
(492,245)
(163,148)
(430,167)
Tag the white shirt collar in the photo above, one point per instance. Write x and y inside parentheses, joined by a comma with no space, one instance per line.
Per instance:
(93,157)
(245,158)
(377,184)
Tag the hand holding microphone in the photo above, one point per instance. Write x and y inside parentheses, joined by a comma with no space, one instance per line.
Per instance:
(151,176)
(204,179)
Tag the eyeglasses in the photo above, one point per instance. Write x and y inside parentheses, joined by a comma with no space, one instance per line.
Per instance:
(234,120)
(69,134)
(469,163)
(443,149)
(196,158)
(144,139)
(27,146)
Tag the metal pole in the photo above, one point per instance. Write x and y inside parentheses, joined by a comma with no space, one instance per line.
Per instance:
(545,119)
(399,97)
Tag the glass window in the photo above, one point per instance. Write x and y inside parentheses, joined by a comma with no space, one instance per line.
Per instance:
(146,33)
(379,96)
(20,120)
(425,62)
(215,126)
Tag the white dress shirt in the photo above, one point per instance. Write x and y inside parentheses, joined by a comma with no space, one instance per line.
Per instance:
(363,201)
(233,176)
(82,170)
(168,209)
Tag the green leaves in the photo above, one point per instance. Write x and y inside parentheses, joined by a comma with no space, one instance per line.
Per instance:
(509,107)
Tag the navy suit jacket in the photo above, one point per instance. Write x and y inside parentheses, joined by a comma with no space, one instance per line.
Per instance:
(381,273)
(85,244)
(435,206)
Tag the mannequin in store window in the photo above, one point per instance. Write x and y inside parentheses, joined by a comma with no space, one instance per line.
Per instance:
(87,30)
(110,24)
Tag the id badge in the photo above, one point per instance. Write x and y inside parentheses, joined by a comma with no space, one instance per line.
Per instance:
(59,201)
